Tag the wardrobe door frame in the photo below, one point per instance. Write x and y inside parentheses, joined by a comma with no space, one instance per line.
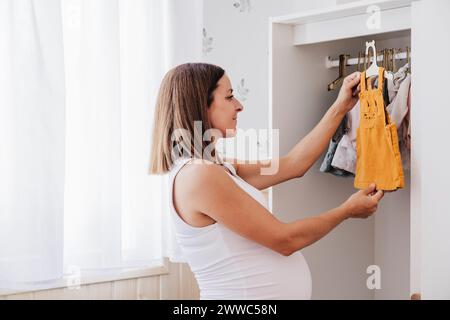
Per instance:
(430,116)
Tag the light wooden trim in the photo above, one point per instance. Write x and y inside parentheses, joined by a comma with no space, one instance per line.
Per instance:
(130,273)
(178,283)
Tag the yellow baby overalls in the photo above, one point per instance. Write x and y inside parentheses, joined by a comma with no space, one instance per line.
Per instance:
(377,153)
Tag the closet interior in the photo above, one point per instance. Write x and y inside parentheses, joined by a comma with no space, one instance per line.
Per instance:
(303,69)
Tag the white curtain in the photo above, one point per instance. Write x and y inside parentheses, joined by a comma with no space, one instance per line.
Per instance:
(32,130)
(77,94)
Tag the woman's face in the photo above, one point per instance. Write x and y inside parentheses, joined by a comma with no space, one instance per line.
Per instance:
(224,109)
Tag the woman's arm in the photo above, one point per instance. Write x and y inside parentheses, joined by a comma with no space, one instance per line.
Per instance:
(306,152)
(309,149)
(208,189)
(305,232)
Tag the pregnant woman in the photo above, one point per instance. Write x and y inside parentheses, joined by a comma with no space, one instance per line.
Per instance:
(236,248)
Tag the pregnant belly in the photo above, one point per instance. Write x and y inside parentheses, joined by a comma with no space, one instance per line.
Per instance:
(246,270)
(294,277)
(277,277)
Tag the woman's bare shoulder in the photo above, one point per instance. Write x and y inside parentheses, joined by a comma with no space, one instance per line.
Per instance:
(195,181)
(200,171)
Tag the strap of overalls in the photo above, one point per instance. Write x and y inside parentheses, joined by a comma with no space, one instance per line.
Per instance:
(380,80)
(363,81)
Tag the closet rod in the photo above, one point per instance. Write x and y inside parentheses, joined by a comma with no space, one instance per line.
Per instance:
(354,61)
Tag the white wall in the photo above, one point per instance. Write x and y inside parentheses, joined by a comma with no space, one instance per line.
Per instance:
(184,31)
(238,31)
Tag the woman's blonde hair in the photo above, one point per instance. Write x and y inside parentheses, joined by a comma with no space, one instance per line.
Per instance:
(181,117)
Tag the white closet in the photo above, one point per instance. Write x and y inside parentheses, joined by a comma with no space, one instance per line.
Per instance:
(409,236)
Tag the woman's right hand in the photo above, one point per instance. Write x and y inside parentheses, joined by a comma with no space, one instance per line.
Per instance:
(363,203)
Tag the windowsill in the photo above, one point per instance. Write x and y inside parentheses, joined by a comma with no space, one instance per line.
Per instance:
(160,267)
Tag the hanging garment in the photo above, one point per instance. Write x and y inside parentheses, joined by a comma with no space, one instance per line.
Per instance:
(377,151)
(344,157)
(405,136)
(399,76)
(386,96)
(405,128)
(399,106)
(326,164)
(329,156)
(407,131)
(399,112)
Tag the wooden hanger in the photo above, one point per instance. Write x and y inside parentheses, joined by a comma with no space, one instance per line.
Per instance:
(394,66)
(342,63)
(359,60)
(374,68)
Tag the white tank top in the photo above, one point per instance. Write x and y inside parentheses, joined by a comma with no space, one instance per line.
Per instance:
(229,266)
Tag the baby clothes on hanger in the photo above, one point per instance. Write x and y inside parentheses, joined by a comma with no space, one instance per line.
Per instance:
(378,155)
(326,164)
(407,132)
(405,136)
(340,159)
(345,154)
(399,76)
(386,96)
(398,109)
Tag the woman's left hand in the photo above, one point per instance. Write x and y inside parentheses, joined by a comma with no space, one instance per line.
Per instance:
(349,92)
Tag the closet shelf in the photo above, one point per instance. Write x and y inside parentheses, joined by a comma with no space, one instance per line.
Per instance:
(347,20)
